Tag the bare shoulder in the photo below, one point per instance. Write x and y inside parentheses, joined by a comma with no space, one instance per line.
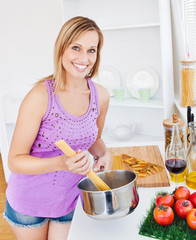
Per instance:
(103,95)
(37,98)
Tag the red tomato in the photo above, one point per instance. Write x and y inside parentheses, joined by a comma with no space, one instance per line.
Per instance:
(163,215)
(192,198)
(191,219)
(164,199)
(182,207)
(181,193)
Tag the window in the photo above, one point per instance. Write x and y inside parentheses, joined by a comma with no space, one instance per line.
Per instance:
(190,27)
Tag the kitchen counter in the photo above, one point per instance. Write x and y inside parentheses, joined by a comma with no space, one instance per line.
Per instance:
(86,228)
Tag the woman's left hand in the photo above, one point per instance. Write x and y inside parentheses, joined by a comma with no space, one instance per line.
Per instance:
(103,163)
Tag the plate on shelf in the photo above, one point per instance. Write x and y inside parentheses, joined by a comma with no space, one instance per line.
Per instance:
(108,77)
(142,78)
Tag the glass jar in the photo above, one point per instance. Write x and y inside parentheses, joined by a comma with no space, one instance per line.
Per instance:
(191,157)
(187,82)
(168,123)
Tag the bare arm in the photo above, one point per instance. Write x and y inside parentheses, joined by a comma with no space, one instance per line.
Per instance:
(30,115)
(99,148)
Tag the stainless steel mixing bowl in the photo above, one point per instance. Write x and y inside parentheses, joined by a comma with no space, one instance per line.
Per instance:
(120,201)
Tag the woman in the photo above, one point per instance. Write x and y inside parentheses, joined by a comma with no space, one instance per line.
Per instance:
(42,190)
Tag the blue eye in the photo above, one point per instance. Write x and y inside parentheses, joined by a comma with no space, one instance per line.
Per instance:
(92,50)
(75,48)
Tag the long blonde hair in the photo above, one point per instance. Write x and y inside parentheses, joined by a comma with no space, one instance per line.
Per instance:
(71,30)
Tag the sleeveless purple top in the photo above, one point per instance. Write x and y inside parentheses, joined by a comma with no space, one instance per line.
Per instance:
(54,194)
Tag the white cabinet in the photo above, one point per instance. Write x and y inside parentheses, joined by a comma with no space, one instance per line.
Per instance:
(136,33)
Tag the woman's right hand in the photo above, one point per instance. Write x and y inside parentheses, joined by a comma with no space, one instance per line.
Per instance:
(80,163)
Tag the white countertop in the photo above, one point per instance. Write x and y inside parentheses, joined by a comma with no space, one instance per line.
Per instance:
(85,228)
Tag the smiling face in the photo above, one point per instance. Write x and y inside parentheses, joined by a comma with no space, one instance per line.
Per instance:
(80,56)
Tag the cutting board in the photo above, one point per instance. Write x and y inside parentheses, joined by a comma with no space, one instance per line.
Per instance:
(146,153)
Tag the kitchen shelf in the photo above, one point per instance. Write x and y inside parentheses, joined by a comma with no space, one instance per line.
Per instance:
(157,24)
(111,15)
(134,102)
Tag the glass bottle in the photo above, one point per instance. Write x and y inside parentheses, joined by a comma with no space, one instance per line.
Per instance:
(176,139)
(191,157)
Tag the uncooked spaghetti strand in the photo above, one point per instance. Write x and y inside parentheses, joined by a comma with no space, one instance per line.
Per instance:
(101,185)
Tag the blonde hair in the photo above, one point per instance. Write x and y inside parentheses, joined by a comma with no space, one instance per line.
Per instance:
(71,30)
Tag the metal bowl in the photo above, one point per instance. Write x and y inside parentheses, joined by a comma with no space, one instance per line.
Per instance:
(120,201)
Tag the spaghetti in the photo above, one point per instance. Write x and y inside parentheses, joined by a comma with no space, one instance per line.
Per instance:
(99,184)
(187,87)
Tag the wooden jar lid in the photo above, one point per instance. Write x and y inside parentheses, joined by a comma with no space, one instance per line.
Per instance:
(188,61)
(168,123)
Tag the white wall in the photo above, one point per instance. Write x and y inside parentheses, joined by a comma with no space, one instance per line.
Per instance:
(28,30)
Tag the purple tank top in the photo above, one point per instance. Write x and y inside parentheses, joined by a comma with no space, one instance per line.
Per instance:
(54,194)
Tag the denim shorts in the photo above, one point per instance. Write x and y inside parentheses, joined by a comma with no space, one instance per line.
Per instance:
(20,220)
